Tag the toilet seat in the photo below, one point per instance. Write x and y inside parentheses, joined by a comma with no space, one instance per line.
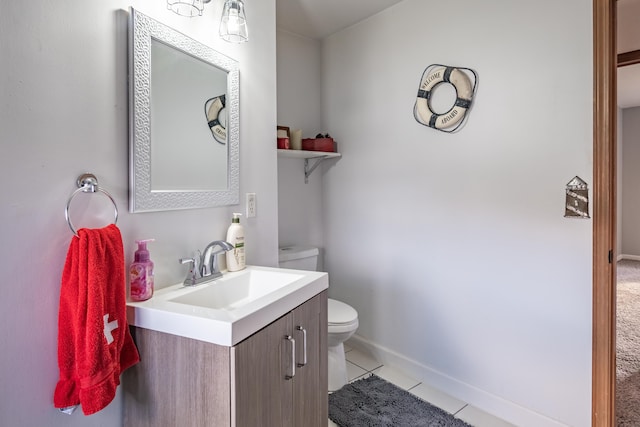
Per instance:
(341,317)
(343,328)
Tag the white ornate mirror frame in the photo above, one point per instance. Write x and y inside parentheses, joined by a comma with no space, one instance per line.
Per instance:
(142,197)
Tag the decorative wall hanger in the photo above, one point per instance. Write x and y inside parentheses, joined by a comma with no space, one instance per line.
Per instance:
(213,108)
(463,80)
(577,199)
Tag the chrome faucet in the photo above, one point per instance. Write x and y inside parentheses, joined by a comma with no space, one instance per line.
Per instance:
(204,266)
(209,263)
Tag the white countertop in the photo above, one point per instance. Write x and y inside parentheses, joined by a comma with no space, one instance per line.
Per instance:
(229,325)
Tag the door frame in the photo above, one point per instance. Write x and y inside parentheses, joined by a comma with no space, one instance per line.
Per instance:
(604,214)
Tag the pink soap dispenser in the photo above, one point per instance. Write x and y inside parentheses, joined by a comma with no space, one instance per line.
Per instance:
(141,273)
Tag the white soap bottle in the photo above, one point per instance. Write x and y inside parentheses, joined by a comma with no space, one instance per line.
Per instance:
(235,236)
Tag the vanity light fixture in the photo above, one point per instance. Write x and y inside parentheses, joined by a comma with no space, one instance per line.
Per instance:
(233,25)
(188,8)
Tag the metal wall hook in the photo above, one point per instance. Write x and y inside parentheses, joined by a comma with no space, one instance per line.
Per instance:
(87,182)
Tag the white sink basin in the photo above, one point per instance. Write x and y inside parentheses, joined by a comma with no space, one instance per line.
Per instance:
(231,293)
(230,309)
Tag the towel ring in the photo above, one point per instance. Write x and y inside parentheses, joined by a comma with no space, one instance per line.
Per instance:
(88,183)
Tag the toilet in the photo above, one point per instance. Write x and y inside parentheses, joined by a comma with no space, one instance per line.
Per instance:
(342,318)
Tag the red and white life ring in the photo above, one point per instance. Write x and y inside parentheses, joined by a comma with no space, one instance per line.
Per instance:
(464,95)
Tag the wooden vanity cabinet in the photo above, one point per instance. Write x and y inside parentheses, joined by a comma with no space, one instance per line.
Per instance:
(181,381)
(266,393)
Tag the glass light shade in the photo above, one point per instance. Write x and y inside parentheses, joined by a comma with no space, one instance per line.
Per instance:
(233,25)
(187,7)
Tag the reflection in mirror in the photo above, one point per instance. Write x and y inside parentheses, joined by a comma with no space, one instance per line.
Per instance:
(185,155)
(184,128)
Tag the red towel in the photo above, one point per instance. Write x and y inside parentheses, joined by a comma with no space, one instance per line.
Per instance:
(94,342)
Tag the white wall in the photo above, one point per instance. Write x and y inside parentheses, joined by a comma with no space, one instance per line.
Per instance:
(63,112)
(453,248)
(299,107)
(630,178)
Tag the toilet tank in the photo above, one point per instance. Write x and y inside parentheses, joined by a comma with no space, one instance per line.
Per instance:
(299,257)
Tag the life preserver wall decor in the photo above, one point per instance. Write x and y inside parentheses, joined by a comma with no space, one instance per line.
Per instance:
(463,80)
(213,108)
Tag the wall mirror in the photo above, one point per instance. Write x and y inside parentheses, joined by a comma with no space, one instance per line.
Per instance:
(184,121)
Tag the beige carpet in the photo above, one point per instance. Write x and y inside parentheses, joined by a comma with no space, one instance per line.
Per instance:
(628,344)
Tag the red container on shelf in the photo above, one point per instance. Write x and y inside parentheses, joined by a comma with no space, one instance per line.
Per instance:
(318,144)
(283,143)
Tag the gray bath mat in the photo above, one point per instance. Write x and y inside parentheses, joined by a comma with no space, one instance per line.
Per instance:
(374,402)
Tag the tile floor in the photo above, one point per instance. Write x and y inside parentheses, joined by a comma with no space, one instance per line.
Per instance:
(360,364)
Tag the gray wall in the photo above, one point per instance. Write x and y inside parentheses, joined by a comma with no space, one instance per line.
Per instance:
(64,111)
(630,228)
(453,247)
(299,107)
(619,195)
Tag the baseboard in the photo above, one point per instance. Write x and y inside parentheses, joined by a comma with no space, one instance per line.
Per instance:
(631,257)
(490,403)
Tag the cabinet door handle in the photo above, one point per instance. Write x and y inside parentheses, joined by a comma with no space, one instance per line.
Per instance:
(293,356)
(304,346)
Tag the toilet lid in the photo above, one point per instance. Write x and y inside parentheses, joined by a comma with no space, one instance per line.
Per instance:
(295,252)
(339,313)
